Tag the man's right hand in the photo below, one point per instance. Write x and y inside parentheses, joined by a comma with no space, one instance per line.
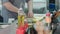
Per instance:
(21,12)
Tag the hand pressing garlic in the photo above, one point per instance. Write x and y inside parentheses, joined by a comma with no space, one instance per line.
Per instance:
(39,27)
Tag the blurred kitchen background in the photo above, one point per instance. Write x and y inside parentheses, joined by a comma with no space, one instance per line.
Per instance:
(0,6)
(42,6)
(39,6)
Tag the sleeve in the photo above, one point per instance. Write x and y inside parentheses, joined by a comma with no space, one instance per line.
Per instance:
(4,1)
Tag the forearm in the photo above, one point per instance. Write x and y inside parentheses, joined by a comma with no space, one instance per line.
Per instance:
(10,7)
(30,5)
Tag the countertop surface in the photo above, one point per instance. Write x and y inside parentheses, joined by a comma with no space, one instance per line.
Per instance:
(10,29)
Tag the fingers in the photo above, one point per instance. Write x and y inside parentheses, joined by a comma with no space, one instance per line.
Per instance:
(30,14)
(39,26)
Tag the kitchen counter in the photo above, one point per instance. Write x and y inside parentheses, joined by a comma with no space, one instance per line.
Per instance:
(8,29)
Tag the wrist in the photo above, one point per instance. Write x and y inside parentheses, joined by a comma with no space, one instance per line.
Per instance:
(30,11)
(16,10)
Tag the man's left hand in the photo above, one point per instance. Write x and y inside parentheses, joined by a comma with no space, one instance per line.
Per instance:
(30,14)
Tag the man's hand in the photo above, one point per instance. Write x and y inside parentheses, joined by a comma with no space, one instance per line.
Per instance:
(30,14)
(21,12)
(39,27)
